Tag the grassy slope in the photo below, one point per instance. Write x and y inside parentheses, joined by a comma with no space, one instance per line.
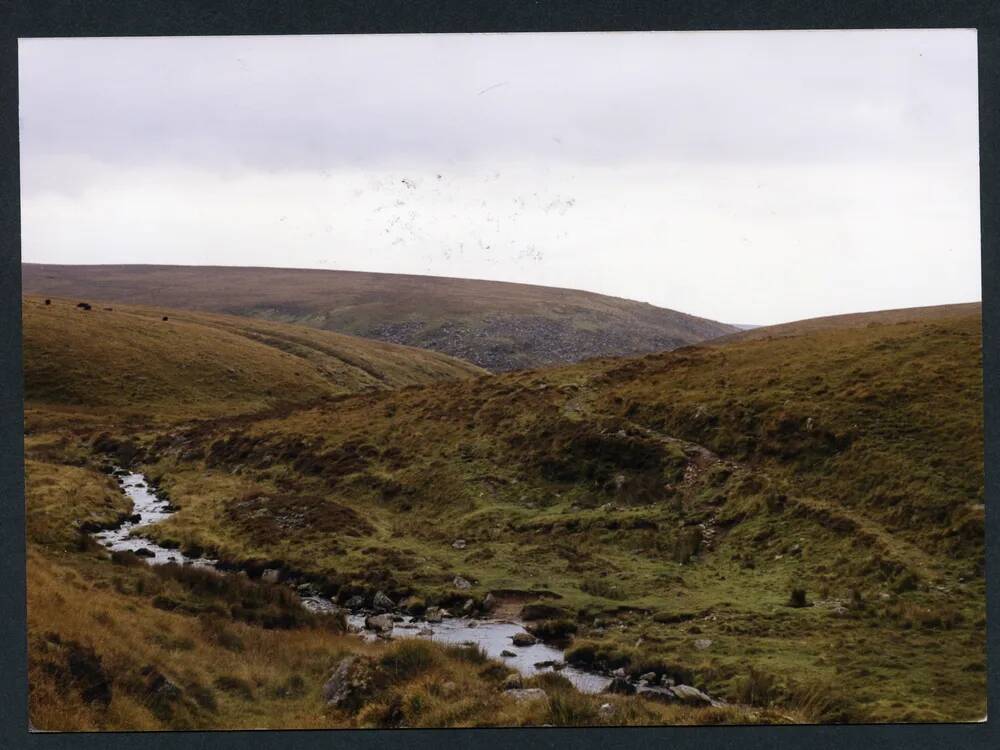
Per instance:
(854,320)
(494,324)
(195,363)
(849,464)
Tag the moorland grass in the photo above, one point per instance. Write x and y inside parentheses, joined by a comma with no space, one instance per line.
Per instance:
(714,483)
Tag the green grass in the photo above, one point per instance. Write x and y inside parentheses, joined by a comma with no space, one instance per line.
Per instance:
(659,502)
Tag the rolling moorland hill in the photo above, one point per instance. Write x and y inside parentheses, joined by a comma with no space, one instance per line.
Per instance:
(496,325)
(792,524)
(158,362)
(853,320)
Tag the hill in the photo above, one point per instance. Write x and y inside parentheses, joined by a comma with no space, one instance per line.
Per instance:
(793,524)
(853,320)
(168,362)
(496,325)
(666,507)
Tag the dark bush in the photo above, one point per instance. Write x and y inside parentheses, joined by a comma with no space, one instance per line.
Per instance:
(541,611)
(553,630)
(798,598)
(602,656)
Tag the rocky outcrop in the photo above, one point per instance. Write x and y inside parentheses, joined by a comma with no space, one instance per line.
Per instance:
(350,683)
(620,686)
(381,624)
(382,603)
(526,694)
(690,695)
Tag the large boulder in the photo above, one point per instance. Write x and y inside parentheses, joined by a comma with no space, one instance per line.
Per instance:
(434,614)
(320,606)
(526,694)
(349,683)
(489,602)
(461,583)
(620,686)
(271,575)
(662,694)
(690,695)
(382,603)
(381,624)
(355,602)
(524,639)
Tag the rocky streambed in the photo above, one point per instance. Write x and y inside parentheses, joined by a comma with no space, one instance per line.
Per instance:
(504,639)
(147,509)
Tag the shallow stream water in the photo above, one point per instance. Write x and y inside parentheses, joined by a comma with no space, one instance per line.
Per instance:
(492,636)
(150,510)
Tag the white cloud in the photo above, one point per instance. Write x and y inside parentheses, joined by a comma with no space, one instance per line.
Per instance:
(745,177)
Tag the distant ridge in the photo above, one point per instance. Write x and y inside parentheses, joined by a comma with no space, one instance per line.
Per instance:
(855,320)
(495,325)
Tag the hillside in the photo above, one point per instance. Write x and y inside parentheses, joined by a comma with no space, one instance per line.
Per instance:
(158,362)
(498,326)
(793,524)
(853,320)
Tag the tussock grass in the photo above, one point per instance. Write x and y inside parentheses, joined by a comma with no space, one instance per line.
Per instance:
(706,485)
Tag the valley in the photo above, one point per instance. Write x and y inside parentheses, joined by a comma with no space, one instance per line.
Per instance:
(787,520)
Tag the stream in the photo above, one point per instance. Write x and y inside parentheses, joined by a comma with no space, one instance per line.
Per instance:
(492,636)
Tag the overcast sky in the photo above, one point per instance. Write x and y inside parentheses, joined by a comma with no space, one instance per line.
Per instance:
(750,177)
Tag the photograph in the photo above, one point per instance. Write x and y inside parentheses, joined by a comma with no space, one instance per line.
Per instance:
(540,379)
